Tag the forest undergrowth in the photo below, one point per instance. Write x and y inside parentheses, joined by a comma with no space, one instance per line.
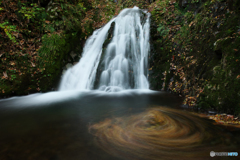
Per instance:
(195,49)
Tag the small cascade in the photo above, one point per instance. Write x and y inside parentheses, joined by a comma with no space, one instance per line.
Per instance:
(122,65)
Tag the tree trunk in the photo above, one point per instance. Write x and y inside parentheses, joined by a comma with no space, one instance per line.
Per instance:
(230,5)
(180,3)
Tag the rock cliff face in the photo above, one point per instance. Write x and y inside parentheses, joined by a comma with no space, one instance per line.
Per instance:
(195,52)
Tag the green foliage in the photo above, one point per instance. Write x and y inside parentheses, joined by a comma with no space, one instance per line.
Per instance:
(222,93)
(8,29)
(65,16)
(132,3)
(195,1)
(30,12)
(53,46)
(204,64)
(162,30)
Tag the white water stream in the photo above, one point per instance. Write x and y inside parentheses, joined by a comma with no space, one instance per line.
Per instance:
(123,63)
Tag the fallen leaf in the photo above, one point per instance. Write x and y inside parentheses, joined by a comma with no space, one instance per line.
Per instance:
(33,64)
(22,42)
(190,24)
(15,34)
(5,75)
(12,63)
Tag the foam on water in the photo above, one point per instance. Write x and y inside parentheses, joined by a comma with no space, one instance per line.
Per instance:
(40,99)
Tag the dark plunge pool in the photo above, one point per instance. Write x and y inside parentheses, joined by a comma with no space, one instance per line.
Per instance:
(107,126)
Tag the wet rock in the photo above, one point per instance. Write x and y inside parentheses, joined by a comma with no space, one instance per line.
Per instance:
(73,55)
(218,25)
(212,112)
(64,71)
(184,106)
(74,63)
(215,33)
(69,65)
(66,67)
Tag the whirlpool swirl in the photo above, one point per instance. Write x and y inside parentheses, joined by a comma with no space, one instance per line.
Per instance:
(158,133)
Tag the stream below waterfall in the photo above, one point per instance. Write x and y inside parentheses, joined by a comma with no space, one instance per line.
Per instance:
(107,126)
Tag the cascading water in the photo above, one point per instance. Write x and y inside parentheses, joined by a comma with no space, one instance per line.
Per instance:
(124,62)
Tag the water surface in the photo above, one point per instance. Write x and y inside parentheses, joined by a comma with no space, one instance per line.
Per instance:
(49,126)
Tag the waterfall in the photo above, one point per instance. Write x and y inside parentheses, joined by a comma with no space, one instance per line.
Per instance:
(122,65)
